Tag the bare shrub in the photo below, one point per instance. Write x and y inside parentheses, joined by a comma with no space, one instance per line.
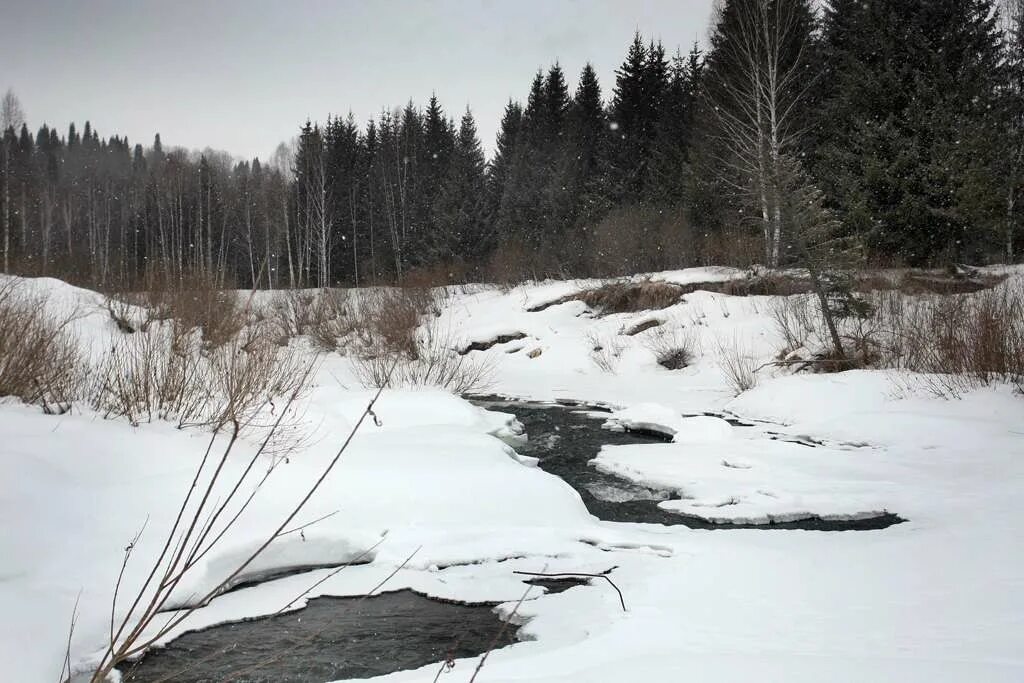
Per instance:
(210,507)
(399,340)
(124,314)
(321,315)
(40,361)
(605,351)
(163,374)
(197,301)
(954,342)
(796,320)
(290,313)
(389,317)
(738,365)
(957,342)
(433,360)
(673,347)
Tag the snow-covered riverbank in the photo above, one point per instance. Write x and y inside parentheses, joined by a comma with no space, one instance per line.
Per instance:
(937,598)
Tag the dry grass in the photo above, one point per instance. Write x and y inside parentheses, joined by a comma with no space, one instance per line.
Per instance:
(605,351)
(956,343)
(641,327)
(738,365)
(952,342)
(40,362)
(629,297)
(766,284)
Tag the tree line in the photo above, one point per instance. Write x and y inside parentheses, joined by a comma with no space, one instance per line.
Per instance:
(904,121)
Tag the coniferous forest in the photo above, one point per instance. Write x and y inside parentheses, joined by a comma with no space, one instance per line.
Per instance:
(905,118)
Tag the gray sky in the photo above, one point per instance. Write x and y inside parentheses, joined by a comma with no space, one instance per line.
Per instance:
(242,75)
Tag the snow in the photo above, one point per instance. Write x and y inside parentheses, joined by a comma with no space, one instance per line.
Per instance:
(939,597)
(660,419)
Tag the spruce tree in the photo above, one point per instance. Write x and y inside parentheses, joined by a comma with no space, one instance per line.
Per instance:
(627,123)
(587,152)
(500,169)
(906,120)
(459,210)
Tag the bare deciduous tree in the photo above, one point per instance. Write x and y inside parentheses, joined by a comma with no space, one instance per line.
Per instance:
(756,98)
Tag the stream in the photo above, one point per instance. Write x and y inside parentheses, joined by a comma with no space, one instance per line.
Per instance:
(343,638)
(565,438)
(329,639)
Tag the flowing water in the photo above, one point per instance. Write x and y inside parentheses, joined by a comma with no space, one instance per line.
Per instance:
(330,639)
(344,638)
(566,438)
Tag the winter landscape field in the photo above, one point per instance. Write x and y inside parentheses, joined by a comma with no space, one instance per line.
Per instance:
(433,495)
(561,341)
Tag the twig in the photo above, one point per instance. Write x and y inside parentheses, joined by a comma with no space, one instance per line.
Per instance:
(591,576)
(805,361)
(309,524)
(67,650)
(120,575)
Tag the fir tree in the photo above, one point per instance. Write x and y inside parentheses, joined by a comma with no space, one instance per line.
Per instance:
(460,210)
(906,119)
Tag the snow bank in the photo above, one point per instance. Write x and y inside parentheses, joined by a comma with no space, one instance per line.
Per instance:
(659,419)
(937,598)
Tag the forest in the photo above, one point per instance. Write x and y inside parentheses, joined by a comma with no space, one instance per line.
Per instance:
(902,124)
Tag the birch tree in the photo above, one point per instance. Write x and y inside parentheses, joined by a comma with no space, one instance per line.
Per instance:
(756,96)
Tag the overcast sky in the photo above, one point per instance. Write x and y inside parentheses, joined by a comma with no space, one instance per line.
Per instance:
(242,75)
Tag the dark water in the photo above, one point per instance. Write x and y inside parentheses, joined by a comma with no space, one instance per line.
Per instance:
(566,438)
(330,639)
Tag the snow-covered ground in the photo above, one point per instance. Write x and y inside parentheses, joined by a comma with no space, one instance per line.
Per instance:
(937,598)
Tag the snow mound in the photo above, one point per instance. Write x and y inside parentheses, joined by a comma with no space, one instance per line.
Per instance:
(659,419)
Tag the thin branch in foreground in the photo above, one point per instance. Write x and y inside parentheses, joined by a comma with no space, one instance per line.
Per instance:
(65,671)
(135,643)
(497,637)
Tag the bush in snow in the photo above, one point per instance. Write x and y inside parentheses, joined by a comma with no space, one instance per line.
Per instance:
(605,351)
(323,316)
(399,341)
(432,361)
(39,358)
(165,374)
(673,347)
(197,300)
(953,342)
(738,365)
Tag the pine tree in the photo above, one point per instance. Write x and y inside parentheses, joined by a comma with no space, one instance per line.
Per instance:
(669,166)
(906,122)
(587,149)
(627,122)
(459,210)
(500,168)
